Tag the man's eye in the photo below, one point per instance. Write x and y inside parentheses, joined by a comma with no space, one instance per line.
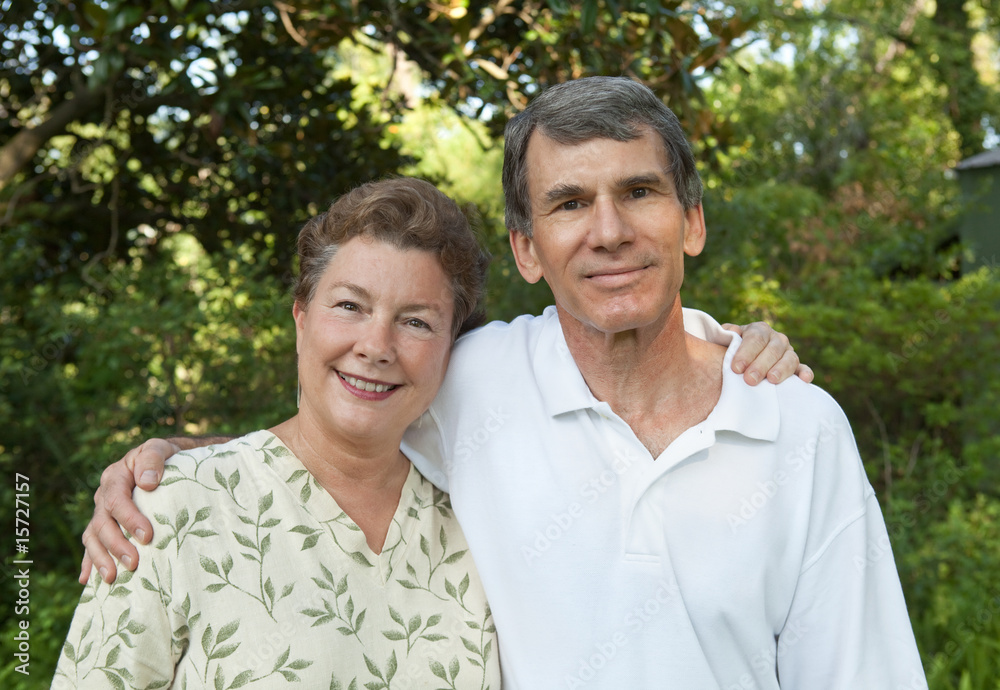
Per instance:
(570,205)
(417,323)
(639,193)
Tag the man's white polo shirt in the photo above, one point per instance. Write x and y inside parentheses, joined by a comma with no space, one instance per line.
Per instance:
(753,548)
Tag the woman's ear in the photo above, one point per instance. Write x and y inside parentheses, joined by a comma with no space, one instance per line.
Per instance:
(299,314)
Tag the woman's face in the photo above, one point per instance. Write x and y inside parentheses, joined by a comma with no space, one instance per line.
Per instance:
(374,341)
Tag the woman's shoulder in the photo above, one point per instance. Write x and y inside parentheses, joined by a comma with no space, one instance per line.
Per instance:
(231,451)
(213,468)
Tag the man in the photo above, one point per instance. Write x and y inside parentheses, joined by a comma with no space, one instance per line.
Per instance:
(640,517)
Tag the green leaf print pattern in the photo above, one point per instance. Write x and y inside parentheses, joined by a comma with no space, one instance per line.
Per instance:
(178,533)
(416,581)
(350,625)
(257,548)
(256,579)
(411,630)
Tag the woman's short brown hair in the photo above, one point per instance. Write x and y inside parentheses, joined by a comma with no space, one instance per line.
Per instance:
(408,214)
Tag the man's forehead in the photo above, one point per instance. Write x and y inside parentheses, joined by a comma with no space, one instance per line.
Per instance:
(651,159)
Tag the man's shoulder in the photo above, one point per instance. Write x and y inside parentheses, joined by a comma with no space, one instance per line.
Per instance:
(500,341)
(808,405)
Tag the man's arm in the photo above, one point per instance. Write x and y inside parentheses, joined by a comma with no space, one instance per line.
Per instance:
(764,353)
(141,467)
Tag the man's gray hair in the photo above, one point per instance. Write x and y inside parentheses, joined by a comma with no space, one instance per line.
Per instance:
(593,108)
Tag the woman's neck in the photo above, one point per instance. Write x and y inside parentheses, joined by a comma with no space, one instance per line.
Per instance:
(365,479)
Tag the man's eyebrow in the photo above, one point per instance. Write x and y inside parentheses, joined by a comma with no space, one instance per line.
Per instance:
(562,191)
(641,180)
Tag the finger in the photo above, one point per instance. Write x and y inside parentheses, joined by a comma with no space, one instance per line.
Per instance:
(111,538)
(738,330)
(805,373)
(785,367)
(105,542)
(113,501)
(772,358)
(148,461)
(756,339)
(86,567)
(99,556)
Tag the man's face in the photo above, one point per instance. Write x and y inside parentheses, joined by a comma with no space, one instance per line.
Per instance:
(610,233)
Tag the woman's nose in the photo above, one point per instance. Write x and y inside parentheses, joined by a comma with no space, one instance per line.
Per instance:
(375,343)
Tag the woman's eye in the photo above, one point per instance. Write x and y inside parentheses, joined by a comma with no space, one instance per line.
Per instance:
(417,323)
(349,306)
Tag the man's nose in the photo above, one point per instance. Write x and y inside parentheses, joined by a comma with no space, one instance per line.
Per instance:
(610,228)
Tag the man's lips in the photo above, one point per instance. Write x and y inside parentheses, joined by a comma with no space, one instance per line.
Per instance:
(614,276)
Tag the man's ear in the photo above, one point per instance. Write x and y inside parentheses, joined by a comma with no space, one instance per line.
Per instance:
(525,257)
(694,230)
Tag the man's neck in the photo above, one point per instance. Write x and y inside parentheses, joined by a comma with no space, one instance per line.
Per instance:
(659,379)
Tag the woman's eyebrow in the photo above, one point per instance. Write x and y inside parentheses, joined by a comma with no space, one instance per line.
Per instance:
(351,287)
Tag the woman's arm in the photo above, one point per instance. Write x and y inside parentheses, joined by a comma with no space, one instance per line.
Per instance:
(765,352)
(122,634)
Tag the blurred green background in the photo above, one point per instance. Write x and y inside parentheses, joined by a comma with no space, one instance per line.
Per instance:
(156,162)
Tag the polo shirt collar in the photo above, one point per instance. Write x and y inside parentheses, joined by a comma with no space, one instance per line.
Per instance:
(748,410)
(561,384)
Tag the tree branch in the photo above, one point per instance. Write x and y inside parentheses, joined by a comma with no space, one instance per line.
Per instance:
(19,151)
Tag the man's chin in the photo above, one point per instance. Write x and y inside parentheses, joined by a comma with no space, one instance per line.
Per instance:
(618,322)
(616,318)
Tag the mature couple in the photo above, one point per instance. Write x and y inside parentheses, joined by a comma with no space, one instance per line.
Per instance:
(600,459)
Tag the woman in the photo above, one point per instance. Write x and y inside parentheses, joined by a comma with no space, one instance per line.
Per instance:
(314,551)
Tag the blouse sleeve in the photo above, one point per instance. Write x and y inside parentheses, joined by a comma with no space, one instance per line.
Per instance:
(124,635)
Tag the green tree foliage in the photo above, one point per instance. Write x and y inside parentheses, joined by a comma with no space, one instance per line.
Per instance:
(832,215)
(156,162)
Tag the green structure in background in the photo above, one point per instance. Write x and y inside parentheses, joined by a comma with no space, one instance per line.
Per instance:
(979,229)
